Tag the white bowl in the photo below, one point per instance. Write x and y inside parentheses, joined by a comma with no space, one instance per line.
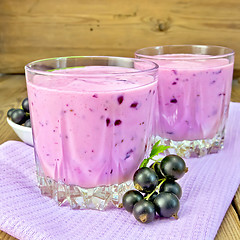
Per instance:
(24,133)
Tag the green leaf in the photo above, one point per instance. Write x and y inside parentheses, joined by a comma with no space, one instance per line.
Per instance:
(156,149)
(144,162)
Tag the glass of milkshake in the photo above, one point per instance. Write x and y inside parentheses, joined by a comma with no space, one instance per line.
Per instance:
(91,118)
(194,91)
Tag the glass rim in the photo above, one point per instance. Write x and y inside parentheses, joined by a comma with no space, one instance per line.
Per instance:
(28,67)
(161,56)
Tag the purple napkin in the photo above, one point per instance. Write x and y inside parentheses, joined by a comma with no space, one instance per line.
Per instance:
(208,189)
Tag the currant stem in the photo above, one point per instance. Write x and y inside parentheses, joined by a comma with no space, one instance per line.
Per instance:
(160,184)
(156,189)
(155,160)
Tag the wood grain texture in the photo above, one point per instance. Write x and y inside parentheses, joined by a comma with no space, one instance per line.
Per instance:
(230,227)
(33,29)
(235,96)
(13,90)
(5,236)
(236,202)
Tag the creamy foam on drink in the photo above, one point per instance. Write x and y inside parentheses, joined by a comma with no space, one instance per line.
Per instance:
(91,130)
(193,96)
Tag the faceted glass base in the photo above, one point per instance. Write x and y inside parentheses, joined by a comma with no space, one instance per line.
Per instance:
(76,197)
(196,148)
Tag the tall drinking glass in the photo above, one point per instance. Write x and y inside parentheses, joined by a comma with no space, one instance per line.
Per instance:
(92,119)
(194,90)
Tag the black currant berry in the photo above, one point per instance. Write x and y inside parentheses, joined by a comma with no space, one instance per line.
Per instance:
(156,168)
(172,187)
(173,167)
(25,105)
(27,123)
(167,204)
(144,211)
(10,111)
(130,198)
(145,180)
(18,116)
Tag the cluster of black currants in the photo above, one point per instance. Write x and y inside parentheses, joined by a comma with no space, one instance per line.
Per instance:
(20,116)
(160,189)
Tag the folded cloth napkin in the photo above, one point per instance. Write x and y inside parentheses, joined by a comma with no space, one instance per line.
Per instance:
(208,189)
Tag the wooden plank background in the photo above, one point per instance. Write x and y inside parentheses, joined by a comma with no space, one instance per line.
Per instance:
(35,29)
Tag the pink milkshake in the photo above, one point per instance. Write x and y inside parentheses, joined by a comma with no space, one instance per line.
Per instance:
(194,92)
(91,124)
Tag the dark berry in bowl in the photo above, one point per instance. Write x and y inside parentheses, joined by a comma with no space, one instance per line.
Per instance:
(25,105)
(130,198)
(10,111)
(18,116)
(28,123)
(144,211)
(145,180)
